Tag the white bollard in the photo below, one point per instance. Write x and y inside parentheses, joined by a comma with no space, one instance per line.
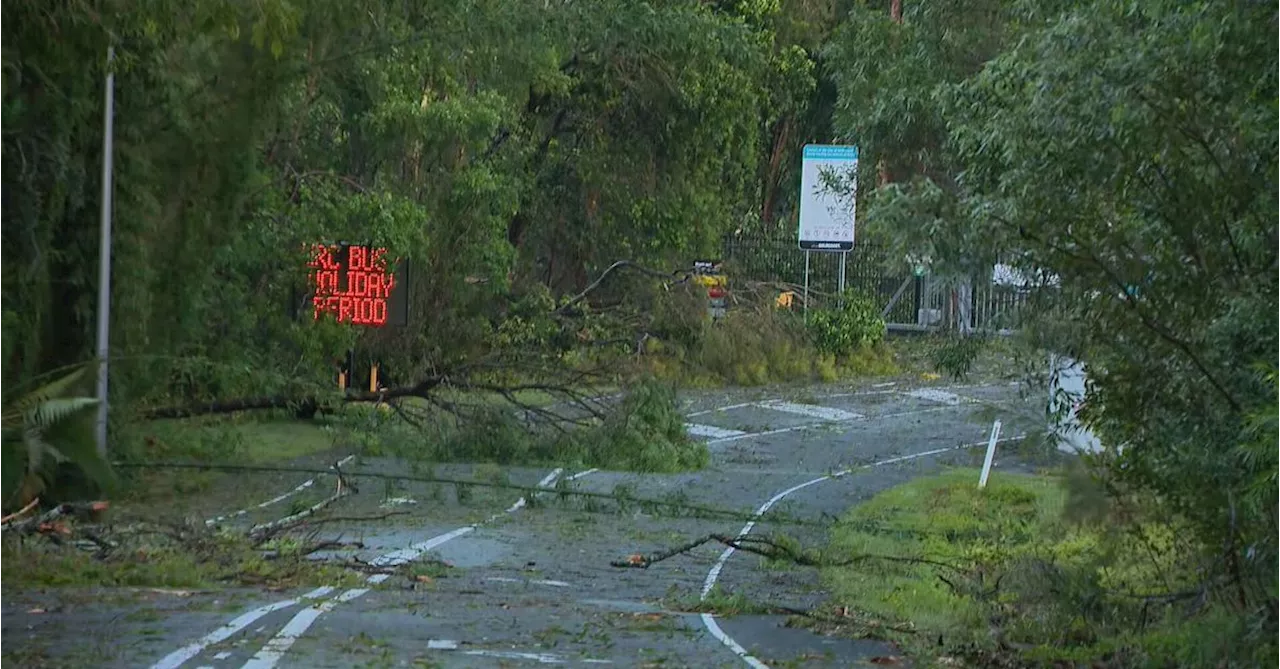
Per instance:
(991,455)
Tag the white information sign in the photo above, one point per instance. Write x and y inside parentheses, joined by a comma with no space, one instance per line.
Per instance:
(827,213)
(1067,386)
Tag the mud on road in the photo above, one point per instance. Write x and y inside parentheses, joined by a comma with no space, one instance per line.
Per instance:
(532,584)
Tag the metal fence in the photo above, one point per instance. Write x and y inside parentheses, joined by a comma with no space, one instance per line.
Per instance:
(923,303)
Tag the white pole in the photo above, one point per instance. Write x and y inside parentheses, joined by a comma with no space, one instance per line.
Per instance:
(806,285)
(104,256)
(843,256)
(991,455)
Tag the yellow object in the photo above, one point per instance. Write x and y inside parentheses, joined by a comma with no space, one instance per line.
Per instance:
(342,380)
(710,280)
(373,378)
(930,376)
(784,300)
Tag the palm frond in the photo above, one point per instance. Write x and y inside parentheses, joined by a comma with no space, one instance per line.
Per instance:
(56,388)
(50,412)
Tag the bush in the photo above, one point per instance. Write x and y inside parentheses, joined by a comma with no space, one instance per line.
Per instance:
(853,324)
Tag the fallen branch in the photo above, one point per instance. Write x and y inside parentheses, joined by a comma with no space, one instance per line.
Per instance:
(648,503)
(4,522)
(564,308)
(42,523)
(768,548)
(266,531)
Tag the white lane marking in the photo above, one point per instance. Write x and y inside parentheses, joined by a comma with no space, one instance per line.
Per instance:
(544,658)
(178,657)
(731,407)
(280,644)
(506,579)
(812,426)
(582,474)
(712,431)
(223,655)
(277,499)
(277,646)
(810,410)
(709,621)
(935,395)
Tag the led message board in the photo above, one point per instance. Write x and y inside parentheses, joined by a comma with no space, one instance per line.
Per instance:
(355,283)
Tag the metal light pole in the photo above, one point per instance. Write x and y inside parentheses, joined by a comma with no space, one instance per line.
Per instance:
(104,256)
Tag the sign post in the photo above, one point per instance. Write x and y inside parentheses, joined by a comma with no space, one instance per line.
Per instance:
(828,203)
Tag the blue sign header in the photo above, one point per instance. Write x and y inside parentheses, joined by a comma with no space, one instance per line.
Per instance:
(829,152)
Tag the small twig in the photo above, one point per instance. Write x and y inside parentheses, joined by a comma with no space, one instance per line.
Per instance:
(265,530)
(4,522)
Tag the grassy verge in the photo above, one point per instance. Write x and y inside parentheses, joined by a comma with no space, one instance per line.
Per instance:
(1012,582)
(147,560)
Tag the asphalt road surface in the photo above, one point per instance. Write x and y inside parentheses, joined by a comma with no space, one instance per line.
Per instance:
(531,583)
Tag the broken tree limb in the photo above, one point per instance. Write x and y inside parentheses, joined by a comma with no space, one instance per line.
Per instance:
(4,523)
(265,531)
(421,389)
(621,264)
(768,548)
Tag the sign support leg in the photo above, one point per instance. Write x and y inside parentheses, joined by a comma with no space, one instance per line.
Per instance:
(843,256)
(806,286)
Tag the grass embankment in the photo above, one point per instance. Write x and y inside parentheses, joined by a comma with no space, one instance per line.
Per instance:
(1024,585)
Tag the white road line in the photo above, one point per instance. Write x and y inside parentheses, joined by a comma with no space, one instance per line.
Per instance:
(731,407)
(223,655)
(582,474)
(936,395)
(277,646)
(544,658)
(810,410)
(277,499)
(709,621)
(178,657)
(506,579)
(712,431)
(280,644)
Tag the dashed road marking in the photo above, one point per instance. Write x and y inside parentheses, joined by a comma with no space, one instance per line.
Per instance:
(810,410)
(935,395)
(277,499)
(712,431)
(178,657)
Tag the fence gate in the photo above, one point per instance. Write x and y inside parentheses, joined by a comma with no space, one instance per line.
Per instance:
(910,302)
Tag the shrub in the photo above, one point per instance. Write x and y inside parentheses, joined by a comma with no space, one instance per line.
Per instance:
(855,323)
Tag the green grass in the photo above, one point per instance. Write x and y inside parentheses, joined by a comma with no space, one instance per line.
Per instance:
(251,439)
(1053,590)
(221,561)
(944,518)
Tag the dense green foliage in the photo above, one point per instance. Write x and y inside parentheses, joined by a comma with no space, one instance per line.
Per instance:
(1127,152)
(497,145)
(1122,153)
